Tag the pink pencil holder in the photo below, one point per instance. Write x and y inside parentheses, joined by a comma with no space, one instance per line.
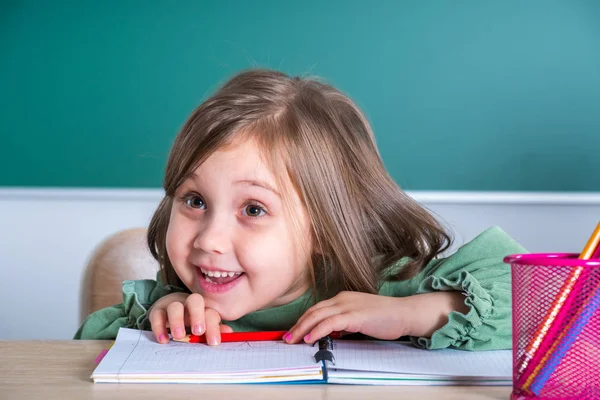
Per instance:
(556,326)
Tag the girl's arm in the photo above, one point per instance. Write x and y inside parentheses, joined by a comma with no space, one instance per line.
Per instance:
(381,317)
(429,312)
(463,301)
(476,270)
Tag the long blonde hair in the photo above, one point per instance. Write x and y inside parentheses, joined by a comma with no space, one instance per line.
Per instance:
(315,137)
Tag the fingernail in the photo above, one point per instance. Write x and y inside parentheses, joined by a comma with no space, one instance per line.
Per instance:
(214,341)
(178,332)
(307,338)
(197,329)
(162,338)
(287,336)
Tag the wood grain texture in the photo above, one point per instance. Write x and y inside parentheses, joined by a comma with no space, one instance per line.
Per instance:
(61,370)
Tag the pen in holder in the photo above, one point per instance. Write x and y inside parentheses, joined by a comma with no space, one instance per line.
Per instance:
(556,326)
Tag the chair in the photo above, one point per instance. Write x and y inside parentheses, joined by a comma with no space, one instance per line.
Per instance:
(121,256)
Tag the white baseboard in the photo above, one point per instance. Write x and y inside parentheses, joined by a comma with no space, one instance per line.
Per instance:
(431,197)
(47,236)
(505,198)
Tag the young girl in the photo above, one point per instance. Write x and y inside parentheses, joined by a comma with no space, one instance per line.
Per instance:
(278,214)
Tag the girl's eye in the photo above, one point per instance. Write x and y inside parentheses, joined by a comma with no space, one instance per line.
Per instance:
(253,210)
(194,201)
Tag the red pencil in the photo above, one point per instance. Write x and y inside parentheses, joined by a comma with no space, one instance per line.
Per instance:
(243,337)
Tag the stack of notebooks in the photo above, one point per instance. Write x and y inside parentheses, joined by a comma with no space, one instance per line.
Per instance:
(136,357)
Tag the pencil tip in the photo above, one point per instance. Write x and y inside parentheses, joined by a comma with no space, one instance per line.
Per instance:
(185,339)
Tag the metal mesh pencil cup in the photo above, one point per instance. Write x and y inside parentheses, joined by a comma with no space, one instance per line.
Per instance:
(556,326)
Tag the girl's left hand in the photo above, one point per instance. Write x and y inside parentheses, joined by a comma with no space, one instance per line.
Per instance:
(380,317)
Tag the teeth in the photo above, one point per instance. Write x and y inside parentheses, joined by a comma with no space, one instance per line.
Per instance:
(219,274)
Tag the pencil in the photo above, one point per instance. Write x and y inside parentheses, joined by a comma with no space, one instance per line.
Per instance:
(597,253)
(236,337)
(244,337)
(542,341)
(575,328)
(590,248)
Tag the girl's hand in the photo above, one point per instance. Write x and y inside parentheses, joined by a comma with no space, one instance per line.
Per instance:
(377,316)
(178,310)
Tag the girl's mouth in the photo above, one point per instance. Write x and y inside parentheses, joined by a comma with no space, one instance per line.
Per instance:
(221,279)
(218,281)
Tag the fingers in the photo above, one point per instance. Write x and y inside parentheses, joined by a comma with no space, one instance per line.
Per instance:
(195,308)
(336,323)
(308,321)
(158,320)
(175,315)
(213,329)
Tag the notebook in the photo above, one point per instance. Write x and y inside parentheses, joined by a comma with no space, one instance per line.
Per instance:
(135,357)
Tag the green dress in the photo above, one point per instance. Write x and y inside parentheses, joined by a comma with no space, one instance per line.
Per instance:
(476,269)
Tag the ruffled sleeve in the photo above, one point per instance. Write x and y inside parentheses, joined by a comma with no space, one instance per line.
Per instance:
(478,271)
(138,297)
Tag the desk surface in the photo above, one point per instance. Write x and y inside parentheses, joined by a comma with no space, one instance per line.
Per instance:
(62,369)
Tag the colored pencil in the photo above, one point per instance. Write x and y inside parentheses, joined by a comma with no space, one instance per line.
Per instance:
(565,342)
(544,340)
(243,337)
(597,253)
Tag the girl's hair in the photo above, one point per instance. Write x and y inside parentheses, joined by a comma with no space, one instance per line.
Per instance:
(315,137)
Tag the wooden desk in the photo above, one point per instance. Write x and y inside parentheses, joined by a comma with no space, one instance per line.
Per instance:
(61,370)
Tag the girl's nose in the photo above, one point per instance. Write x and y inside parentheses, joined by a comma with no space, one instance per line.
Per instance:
(213,236)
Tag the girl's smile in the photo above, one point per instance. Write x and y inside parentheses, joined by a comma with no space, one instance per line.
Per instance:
(217,281)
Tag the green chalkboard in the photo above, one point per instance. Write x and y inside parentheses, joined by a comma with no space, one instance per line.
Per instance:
(463,95)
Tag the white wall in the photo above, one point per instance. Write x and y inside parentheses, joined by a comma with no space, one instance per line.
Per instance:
(46,237)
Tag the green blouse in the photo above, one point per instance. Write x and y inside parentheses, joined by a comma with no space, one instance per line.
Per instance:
(476,269)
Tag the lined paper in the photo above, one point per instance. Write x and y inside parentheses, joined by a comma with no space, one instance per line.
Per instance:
(382,356)
(137,357)
(136,354)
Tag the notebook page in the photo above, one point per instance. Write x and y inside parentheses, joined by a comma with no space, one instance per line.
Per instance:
(383,356)
(135,352)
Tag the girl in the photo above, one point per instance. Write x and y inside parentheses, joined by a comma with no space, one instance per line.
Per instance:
(278,214)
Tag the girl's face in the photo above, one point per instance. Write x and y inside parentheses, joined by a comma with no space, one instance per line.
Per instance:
(230,240)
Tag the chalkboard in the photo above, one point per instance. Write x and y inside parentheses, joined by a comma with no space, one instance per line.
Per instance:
(462,95)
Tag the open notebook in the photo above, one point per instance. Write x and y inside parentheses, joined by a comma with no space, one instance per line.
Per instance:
(136,357)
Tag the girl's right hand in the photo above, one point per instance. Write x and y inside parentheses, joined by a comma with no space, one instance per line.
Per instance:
(178,310)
